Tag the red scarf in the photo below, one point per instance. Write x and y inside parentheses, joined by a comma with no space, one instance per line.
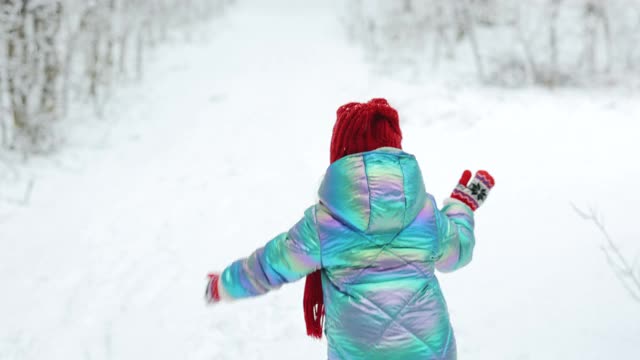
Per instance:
(359,127)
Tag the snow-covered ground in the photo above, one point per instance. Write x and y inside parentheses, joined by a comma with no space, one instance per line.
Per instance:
(223,146)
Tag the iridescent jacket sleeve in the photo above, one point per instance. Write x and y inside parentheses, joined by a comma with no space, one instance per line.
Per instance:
(288,257)
(455,231)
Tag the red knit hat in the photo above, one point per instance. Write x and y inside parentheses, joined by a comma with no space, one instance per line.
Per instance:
(359,127)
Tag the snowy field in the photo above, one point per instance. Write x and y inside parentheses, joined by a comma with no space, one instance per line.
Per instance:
(223,146)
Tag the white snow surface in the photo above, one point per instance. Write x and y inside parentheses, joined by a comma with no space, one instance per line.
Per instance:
(223,146)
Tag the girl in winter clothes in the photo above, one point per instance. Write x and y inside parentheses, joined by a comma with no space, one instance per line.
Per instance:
(369,247)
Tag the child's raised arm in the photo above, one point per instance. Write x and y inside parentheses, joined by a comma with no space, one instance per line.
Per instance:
(456,220)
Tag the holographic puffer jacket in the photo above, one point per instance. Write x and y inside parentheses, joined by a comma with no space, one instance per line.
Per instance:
(378,236)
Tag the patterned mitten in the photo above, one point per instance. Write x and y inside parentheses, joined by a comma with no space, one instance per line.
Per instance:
(475,193)
(212,294)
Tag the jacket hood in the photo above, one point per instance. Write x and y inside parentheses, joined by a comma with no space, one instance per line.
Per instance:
(375,192)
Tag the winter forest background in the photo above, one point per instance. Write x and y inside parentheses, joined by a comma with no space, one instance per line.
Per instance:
(137,138)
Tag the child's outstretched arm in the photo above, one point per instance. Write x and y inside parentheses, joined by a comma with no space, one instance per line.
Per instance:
(288,257)
(456,220)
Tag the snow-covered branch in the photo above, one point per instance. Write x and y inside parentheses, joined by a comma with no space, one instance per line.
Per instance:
(510,43)
(626,271)
(55,51)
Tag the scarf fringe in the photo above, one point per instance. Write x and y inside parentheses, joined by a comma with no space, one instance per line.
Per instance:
(313,305)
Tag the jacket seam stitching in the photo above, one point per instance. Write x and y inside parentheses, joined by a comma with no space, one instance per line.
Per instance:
(404,193)
(366,176)
(315,226)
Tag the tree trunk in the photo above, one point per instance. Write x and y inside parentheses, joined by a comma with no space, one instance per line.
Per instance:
(471,32)
(553,72)
(47,25)
(17,50)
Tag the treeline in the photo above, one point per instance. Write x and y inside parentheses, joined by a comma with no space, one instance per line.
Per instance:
(505,42)
(55,52)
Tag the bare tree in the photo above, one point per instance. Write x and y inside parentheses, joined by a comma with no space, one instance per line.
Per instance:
(470,30)
(626,271)
(596,20)
(53,52)
(547,42)
(442,34)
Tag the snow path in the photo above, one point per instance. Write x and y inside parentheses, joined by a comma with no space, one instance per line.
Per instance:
(222,148)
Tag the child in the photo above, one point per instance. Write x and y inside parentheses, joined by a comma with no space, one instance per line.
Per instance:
(369,247)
